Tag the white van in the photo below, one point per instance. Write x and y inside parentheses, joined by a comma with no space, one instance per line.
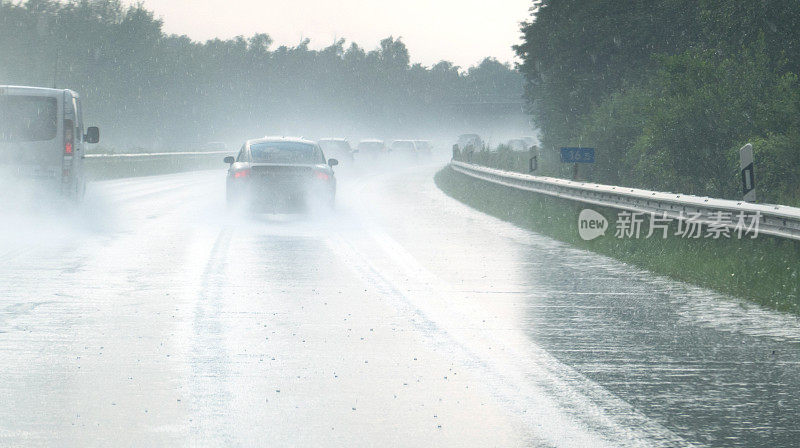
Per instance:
(42,138)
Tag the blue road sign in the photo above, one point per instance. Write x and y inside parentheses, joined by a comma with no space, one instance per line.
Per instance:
(577,155)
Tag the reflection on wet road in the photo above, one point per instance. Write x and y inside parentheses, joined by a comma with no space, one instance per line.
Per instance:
(405,318)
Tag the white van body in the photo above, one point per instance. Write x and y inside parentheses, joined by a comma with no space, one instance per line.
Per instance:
(42,138)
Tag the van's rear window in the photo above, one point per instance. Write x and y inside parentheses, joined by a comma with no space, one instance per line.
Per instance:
(27,118)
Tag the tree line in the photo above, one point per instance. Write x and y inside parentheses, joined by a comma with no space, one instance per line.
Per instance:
(149,89)
(668,91)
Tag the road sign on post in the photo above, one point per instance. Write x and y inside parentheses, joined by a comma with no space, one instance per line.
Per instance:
(748,176)
(577,155)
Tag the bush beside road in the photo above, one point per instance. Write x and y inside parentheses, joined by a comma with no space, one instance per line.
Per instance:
(668,98)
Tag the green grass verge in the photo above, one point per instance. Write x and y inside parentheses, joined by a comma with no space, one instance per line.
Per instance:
(762,270)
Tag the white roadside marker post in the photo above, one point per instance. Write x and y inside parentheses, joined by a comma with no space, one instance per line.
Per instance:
(748,176)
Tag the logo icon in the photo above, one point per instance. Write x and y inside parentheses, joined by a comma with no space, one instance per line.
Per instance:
(591,224)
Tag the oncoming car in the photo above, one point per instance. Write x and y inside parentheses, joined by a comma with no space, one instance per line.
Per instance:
(280,174)
(42,138)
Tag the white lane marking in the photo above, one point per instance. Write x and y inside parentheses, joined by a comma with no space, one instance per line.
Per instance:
(209,357)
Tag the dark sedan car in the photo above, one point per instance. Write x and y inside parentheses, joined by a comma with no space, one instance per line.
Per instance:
(281,175)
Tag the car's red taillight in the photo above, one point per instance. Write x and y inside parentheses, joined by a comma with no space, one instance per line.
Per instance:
(69,137)
(321,175)
(241,174)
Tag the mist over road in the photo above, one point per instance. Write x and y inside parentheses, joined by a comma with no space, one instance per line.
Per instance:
(155,318)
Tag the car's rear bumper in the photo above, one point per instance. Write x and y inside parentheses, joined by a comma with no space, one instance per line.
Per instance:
(278,198)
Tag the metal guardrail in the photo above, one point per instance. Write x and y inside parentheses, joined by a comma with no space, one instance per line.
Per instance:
(112,166)
(777,220)
(155,154)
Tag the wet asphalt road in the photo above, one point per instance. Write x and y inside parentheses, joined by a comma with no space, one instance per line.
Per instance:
(154,318)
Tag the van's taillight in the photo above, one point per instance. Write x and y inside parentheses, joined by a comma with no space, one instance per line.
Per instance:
(321,175)
(69,137)
(69,148)
(241,174)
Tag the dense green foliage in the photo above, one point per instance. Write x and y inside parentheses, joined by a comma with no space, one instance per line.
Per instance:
(145,88)
(669,91)
(763,270)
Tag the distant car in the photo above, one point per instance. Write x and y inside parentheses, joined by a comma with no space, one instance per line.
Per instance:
(404,149)
(42,138)
(518,144)
(338,148)
(371,148)
(470,142)
(280,174)
(424,147)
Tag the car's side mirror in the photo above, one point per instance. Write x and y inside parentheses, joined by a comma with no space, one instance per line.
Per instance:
(92,135)
(332,162)
(229,160)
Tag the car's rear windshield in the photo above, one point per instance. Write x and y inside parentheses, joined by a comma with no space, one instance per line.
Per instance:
(286,152)
(403,146)
(27,118)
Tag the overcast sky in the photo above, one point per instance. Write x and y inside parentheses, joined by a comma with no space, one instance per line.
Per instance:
(461,31)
